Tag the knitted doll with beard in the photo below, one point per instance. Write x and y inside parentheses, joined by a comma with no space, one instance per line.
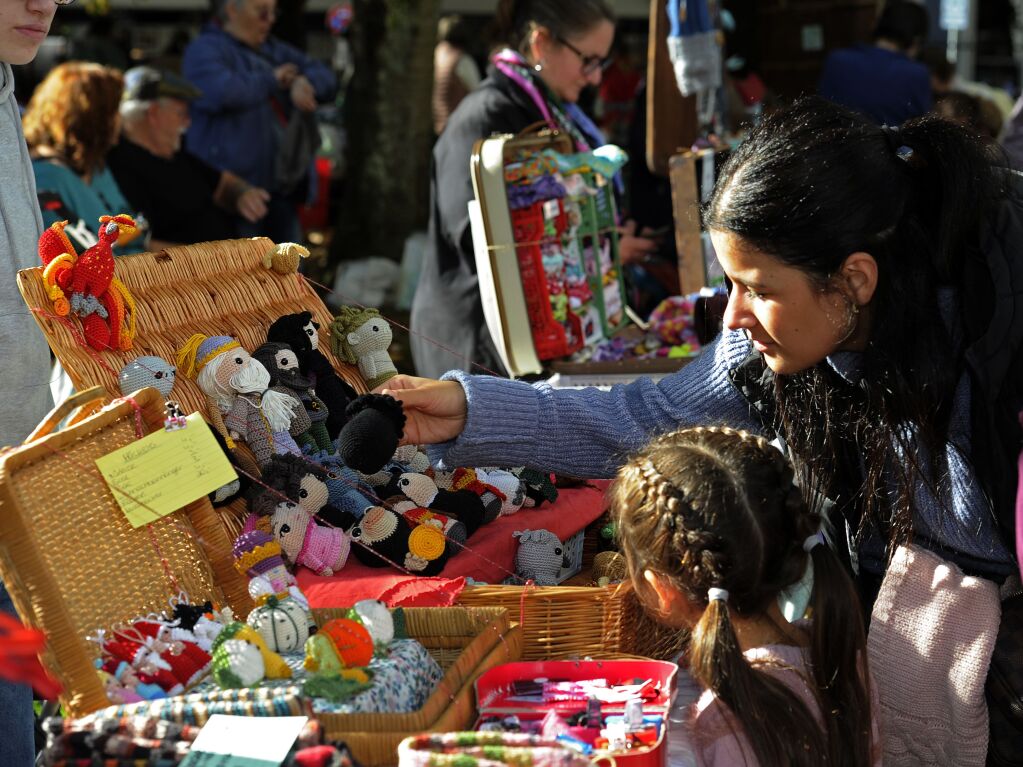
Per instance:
(239,390)
(299,331)
(282,362)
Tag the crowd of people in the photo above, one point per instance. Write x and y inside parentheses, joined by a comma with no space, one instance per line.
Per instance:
(862,399)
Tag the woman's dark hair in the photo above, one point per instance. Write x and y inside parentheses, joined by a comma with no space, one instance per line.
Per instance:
(515,19)
(73,111)
(815,183)
(717,508)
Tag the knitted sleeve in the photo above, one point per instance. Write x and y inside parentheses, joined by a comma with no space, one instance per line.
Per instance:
(589,432)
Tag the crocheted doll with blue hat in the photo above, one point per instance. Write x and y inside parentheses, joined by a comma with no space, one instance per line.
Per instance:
(238,388)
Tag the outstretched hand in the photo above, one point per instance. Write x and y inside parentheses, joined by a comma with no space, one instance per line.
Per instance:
(435,411)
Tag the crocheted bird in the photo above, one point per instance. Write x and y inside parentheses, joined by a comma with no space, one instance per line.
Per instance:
(85,284)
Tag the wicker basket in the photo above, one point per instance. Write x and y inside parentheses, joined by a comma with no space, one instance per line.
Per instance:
(71,560)
(465,642)
(212,288)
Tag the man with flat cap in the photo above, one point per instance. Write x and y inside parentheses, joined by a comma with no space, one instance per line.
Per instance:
(184,199)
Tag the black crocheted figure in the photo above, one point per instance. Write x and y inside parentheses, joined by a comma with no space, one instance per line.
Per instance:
(369,439)
(299,331)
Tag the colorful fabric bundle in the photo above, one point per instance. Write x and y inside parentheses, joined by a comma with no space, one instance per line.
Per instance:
(486,749)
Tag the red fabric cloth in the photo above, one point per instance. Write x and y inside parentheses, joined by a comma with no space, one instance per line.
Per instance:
(489,557)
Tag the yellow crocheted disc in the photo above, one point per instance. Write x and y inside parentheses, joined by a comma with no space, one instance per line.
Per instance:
(426,542)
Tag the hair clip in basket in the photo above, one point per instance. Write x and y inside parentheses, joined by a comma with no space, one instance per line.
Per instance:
(175,416)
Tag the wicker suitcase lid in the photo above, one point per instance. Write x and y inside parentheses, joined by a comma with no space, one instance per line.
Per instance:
(214,288)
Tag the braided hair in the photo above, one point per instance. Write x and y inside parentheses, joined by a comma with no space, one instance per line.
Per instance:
(713,507)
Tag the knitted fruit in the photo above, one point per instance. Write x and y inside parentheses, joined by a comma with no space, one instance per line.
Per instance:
(283,624)
(340,643)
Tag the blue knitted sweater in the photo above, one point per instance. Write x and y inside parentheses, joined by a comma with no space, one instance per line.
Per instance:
(589,433)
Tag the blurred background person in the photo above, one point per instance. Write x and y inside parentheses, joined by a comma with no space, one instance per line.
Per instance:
(252,87)
(184,199)
(71,123)
(883,80)
(556,49)
(455,73)
(974,112)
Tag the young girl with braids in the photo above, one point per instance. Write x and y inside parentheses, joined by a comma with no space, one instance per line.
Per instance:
(713,530)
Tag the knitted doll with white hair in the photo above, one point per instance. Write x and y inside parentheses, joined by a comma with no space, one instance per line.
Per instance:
(239,387)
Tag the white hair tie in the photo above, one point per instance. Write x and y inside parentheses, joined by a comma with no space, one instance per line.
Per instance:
(816,539)
(716,593)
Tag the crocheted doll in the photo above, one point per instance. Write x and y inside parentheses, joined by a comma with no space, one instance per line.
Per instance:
(347,489)
(453,529)
(509,485)
(540,557)
(539,487)
(85,284)
(369,439)
(299,331)
(405,458)
(469,479)
(238,389)
(258,555)
(361,336)
(306,484)
(382,537)
(147,371)
(323,550)
(301,422)
(282,363)
(463,505)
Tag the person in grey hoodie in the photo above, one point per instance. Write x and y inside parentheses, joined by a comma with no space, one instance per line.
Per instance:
(25,372)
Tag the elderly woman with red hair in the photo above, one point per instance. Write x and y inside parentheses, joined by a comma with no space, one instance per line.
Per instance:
(71,122)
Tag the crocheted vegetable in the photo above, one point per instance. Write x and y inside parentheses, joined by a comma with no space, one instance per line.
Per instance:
(234,664)
(282,623)
(540,557)
(282,363)
(361,336)
(237,387)
(147,371)
(463,505)
(340,643)
(369,439)
(86,285)
(285,257)
(374,615)
(299,331)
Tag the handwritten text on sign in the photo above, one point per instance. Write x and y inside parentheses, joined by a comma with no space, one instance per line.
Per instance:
(165,471)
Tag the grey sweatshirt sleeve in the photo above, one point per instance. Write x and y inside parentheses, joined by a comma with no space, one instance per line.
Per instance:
(589,432)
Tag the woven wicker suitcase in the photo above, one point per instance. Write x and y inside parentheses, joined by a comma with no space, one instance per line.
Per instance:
(68,555)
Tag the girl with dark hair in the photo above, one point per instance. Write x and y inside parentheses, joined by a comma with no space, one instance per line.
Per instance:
(873,324)
(555,49)
(713,530)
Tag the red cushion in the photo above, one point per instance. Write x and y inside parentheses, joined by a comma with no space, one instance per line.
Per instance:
(489,557)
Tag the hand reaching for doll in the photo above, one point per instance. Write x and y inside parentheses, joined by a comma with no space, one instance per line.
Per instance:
(435,411)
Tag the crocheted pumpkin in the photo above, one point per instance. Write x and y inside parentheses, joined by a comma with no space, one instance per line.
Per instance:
(340,643)
(283,624)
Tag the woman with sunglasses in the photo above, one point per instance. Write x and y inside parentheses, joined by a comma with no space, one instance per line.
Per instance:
(250,82)
(555,49)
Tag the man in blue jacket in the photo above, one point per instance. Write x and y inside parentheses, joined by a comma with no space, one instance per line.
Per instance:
(883,80)
(251,85)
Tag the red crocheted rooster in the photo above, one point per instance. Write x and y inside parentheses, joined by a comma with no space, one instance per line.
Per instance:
(101,301)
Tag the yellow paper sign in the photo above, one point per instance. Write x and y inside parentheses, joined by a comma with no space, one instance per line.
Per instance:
(165,471)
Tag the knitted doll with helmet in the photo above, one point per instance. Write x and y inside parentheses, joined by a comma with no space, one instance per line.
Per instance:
(361,336)
(238,388)
(282,363)
(382,537)
(300,332)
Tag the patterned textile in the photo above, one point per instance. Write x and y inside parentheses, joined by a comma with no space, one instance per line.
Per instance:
(485,749)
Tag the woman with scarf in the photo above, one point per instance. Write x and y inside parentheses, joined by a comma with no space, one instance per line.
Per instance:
(556,48)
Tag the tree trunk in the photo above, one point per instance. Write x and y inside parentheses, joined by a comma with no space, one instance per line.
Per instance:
(390,134)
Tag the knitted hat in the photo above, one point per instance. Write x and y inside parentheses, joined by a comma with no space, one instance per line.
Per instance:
(199,350)
(255,553)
